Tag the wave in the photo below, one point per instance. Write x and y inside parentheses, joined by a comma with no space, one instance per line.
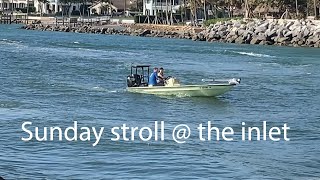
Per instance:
(10,42)
(69,51)
(9,104)
(253,54)
(101,89)
(81,52)
(107,51)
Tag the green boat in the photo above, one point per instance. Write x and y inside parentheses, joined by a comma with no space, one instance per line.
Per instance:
(137,82)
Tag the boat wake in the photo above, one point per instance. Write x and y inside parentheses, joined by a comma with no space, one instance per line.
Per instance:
(253,54)
(101,89)
(9,42)
(9,104)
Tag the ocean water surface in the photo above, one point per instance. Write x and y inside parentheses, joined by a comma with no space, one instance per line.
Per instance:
(55,78)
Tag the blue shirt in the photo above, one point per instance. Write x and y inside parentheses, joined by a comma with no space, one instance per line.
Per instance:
(153,79)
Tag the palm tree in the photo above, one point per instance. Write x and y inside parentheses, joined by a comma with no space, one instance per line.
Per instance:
(167,17)
(83,4)
(182,9)
(171,13)
(297,8)
(68,4)
(41,3)
(2,8)
(161,11)
(315,8)
(204,10)
(106,6)
(246,5)
(185,9)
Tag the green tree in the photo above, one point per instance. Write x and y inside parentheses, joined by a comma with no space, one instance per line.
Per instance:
(106,7)
(66,5)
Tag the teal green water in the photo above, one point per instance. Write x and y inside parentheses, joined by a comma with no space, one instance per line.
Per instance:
(53,79)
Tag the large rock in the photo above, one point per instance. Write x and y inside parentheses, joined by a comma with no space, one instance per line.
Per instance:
(67,29)
(264,25)
(201,37)
(233,31)
(145,32)
(239,40)
(260,29)
(306,33)
(217,36)
(289,24)
(241,32)
(231,39)
(103,30)
(195,37)
(222,28)
(255,41)
(281,39)
(263,43)
(261,37)
(310,41)
(271,33)
(288,34)
(317,44)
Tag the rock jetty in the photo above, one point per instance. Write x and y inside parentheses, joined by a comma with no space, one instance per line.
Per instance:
(305,33)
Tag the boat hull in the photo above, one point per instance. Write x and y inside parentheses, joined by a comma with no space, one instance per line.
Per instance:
(210,90)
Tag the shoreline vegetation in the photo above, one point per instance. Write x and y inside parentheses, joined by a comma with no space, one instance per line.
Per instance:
(281,32)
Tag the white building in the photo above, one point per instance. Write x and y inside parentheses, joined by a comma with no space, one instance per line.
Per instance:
(12,4)
(54,6)
(102,8)
(51,7)
(152,7)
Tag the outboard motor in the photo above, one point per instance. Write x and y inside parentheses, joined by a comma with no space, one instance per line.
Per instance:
(133,80)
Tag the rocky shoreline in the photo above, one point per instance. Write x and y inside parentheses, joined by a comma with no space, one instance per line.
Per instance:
(304,33)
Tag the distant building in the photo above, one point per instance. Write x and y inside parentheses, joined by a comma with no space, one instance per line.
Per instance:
(102,8)
(152,7)
(51,7)
(55,6)
(6,5)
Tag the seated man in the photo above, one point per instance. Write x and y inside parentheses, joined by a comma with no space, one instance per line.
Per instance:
(161,77)
(153,77)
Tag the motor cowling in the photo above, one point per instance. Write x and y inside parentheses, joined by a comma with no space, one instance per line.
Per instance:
(133,80)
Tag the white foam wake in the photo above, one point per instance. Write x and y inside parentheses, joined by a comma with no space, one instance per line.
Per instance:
(253,54)
(9,42)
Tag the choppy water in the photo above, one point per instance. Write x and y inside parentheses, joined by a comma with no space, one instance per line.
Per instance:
(53,79)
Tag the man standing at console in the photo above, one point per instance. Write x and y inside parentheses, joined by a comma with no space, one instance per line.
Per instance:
(153,77)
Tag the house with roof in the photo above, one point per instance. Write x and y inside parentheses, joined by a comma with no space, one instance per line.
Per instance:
(152,7)
(102,8)
(6,5)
